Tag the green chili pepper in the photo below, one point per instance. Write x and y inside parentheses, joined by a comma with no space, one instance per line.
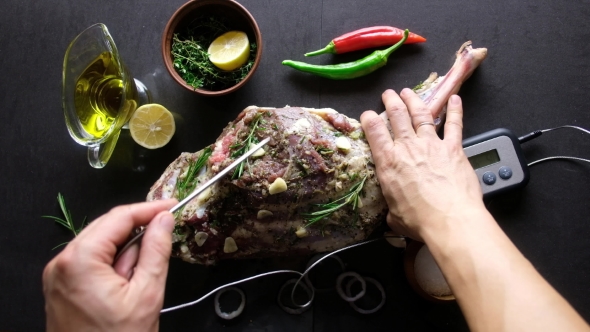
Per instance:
(344,71)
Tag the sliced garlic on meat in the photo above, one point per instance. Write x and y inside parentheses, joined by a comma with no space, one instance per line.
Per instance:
(301,232)
(201,211)
(259,153)
(204,196)
(300,126)
(264,214)
(200,238)
(230,245)
(184,248)
(343,144)
(355,135)
(359,203)
(278,186)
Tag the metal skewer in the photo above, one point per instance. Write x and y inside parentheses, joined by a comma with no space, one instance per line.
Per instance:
(195,193)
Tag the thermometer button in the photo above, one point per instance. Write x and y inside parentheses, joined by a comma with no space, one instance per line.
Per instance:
(489,178)
(505,172)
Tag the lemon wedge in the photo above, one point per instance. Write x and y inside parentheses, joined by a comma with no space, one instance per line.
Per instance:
(152,126)
(229,51)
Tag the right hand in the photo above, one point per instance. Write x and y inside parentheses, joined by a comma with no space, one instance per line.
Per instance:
(425,180)
(84,291)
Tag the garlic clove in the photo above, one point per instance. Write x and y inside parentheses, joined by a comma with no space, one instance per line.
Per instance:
(230,245)
(184,248)
(200,238)
(204,196)
(343,144)
(301,232)
(278,186)
(359,203)
(259,153)
(264,214)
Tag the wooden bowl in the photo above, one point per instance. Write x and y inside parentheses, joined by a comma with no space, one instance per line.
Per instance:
(409,258)
(240,20)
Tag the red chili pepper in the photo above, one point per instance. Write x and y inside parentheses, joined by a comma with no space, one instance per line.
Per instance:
(367,38)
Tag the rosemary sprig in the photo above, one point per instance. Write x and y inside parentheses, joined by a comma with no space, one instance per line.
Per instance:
(68,222)
(326,210)
(418,87)
(241,148)
(187,185)
(324,150)
(191,60)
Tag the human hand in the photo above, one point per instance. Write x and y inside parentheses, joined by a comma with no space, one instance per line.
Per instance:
(426,181)
(83,291)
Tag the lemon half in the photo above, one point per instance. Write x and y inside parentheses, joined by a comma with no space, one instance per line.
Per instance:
(152,126)
(230,51)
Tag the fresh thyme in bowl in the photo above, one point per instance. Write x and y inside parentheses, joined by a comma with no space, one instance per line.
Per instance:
(68,222)
(191,60)
(326,210)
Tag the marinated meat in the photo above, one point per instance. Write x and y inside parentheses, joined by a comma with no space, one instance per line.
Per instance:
(247,217)
(312,188)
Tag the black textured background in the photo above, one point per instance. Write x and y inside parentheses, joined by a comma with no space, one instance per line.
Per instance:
(536,76)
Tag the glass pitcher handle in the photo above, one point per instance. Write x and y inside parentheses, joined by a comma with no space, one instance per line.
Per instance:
(99,155)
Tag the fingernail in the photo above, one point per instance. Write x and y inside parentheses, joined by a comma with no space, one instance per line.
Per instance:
(455,100)
(167,221)
(405,91)
(387,92)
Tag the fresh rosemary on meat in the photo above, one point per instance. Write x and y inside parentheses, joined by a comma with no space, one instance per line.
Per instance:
(191,60)
(418,87)
(244,146)
(187,185)
(324,150)
(352,197)
(68,222)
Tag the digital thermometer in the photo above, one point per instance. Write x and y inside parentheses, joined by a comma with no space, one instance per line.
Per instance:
(498,161)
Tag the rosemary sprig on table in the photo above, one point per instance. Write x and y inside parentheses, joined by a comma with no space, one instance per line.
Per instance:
(187,185)
(241,148)
(191,60)
(326,210)
(68,222)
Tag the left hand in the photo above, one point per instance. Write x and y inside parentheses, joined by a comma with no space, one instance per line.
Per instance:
(427,182)
(83,291)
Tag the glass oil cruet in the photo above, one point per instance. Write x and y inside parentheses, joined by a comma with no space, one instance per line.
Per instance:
(99,95)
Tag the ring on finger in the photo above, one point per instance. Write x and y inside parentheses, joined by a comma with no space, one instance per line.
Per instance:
(425,123)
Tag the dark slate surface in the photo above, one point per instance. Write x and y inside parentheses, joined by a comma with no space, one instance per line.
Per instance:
(535,77)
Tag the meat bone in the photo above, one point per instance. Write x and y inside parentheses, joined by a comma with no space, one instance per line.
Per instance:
(436,90)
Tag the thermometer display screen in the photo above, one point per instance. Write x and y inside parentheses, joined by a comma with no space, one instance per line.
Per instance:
(484,159)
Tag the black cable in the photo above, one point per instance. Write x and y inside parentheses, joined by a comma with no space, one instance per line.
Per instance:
(529,136)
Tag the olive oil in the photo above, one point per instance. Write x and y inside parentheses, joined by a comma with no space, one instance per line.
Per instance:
(99,96)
